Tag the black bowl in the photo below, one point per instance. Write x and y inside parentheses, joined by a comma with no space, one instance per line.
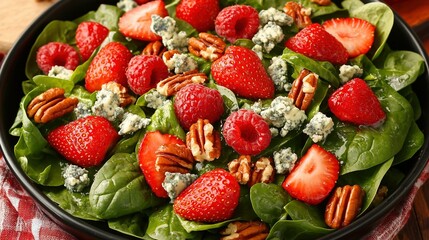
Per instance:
(12,74)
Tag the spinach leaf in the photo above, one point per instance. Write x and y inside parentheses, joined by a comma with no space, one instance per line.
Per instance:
(164,120)
(323,12)
(133,225)
(52,82)
(244,210)
(413,142)
(107,15)
(351,5)
(298,210)
(191,226)
(119,188)
(296,230)
(229,99)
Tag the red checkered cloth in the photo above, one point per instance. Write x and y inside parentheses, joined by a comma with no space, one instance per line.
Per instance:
(21,219)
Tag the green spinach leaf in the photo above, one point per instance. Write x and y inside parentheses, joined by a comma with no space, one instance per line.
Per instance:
(133,225)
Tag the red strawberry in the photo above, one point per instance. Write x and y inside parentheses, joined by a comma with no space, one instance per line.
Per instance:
(144,72)
(56,54)
(108,65)
(314,176)
(241,70)
(147,157)
(213,197)
(356,35)
(85,141)
(140,2)
(136,22)
(314,42)
(89,35)
(237,21)
(355,102)
(192,10)
(246,132)
(196,101)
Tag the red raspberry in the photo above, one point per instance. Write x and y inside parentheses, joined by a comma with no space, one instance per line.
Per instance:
(237,21)
(192,11)
(144,72)
(89,35)
(246,132)
(56,54)
(196,101)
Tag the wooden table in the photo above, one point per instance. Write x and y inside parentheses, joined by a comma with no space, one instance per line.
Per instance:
(17,14)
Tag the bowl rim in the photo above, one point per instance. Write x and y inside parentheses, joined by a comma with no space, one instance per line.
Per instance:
(85,229)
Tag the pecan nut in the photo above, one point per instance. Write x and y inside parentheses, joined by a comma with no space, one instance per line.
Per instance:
(303,89)
(50,105)
(254,230)
(241,168)
(173,158)
(299,14)
(263,171)
(154,48)
(173,84)
(125,99)
(203,141)
(322,2)
(343,206)
(207,46)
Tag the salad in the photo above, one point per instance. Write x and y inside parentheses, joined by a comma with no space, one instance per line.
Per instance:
(261,120)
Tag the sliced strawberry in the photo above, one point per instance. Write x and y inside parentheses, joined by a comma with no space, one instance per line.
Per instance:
(355,102)
(147,157)
(314,176)
(89,35)
(136,22)
(192,10)
(84,142)
(356,35)
(213,197)
(241,70)
(108,65)
(315,42)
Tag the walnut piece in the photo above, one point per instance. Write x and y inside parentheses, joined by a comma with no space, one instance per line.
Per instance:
(203,141)
(207,46)
(247,172)
(124,98)
(173,84)
(322,2)
(173,158)
(299,14)
(50,105)
(154,48)
(303,89)
(343,206)
(240,168)
(254,230)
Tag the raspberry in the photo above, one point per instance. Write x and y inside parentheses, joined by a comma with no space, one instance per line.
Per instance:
(89,35)
(196,101)
(246,132)
(57,54)
(237,21)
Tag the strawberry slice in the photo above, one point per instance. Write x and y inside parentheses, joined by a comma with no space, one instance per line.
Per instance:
(314,176)
(136,22)
(147,157)
(89,35)
(355,102)
(213,197)
(356,35)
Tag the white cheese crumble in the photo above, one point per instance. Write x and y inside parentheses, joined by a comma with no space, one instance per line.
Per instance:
(75,178)
(60,72)
(107,105)
(175,183)
(268,36)
(258,50)
(348,72)
(273,15)
(82,110)
(131,123)
(319,127)
(278,73)
(284,160)
(180,63)
(126,5)
(154,99)
(171,37)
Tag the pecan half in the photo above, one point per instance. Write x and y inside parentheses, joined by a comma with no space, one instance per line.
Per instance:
(300,15)
(263,171)
(303,89)
(207,46)
(322,2)
(241,168)
(204,141)
(50,105)
(173,158)
(343,206)
(124,98)
(173,84)
(154,48)
(254,230)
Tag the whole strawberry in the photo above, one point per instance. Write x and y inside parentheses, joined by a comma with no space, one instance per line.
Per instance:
(355,102)
(196,101)
(84,142)
(144,72)
(56,54)
(241,70)
(108,65)
(315,42)
(237,21)
(89,35)
(192,11)
(213,197)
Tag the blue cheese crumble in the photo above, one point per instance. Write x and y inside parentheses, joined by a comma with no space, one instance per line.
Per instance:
(268,36)
(273,15)
(75,178)
(180,63)
(131,123)
(283,114)
(175,183)
(82,110)
(107,105)
(278,73)
(172,38)
(348,72)
(284,160)
(319,127)
(60,72)
(126,5)
(154,99)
